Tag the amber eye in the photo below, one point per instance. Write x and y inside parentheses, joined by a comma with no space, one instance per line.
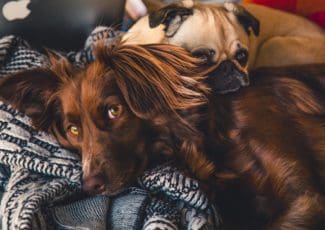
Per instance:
(114,111)
(73,130)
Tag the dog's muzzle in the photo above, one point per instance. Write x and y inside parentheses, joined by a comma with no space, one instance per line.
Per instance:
(227,77)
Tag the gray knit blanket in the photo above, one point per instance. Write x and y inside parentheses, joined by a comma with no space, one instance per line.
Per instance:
(40,181)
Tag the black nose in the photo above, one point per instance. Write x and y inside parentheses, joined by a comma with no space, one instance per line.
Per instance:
(227,67)
(94,184)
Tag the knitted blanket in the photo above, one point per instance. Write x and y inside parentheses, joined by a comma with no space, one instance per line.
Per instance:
(39,179)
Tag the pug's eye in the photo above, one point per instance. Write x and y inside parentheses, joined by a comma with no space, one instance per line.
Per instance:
(241,56)
(73,130)
(205,54)
(114,111)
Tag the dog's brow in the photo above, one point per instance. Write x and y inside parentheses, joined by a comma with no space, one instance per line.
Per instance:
(110,89)
(72,117)
(109,92)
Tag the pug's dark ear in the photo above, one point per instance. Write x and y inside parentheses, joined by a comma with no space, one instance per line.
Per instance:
(245,18)
(172,16)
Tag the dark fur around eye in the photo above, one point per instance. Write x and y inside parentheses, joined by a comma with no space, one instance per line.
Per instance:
(205,54)
(242,56)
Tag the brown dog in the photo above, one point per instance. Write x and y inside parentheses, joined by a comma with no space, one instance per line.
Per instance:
(121,112)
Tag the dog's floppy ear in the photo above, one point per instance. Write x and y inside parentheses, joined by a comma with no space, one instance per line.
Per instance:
(28,91)
(172,16)
(245,18)
(154,78)
(31,91)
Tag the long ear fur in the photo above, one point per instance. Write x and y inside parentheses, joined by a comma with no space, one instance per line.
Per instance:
(33,91)
(155,78)
(28,91)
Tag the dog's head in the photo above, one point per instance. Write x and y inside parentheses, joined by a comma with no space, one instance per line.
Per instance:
(216,33)
(115,112)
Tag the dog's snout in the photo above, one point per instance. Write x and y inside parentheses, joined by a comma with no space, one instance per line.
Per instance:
(227,67)
(228,77)
(94,184)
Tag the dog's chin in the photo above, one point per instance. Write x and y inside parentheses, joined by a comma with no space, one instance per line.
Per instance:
(228,87)
(227,78)
(111,190)
(120,182)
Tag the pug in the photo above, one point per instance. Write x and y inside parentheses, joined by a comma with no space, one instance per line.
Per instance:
(238,38)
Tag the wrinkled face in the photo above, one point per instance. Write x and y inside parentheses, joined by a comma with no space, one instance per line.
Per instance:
(210,32)
(97,122)
(213,37)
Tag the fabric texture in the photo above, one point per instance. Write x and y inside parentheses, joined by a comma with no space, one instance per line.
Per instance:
(314,10)
(39,180)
